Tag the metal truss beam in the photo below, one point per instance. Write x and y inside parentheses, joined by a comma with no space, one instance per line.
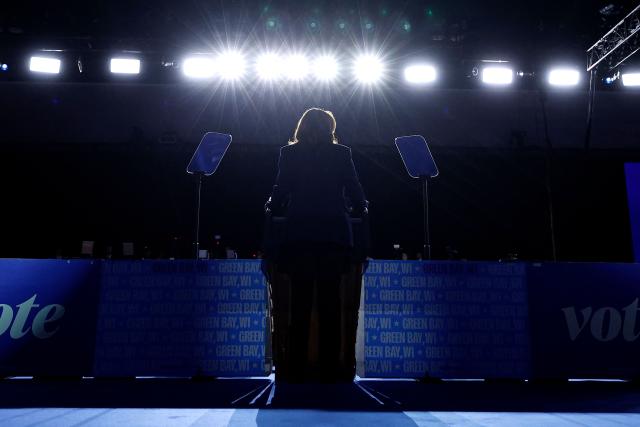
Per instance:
(623,40)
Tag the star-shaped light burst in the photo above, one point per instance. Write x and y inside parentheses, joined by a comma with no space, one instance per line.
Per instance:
(368,69)
(296,67)
(231,65)
(325,68)
(269,67)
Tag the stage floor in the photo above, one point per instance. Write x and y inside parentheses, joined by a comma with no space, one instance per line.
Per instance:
(255,402)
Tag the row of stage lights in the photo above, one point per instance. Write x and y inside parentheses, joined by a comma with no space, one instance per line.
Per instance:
(367,69)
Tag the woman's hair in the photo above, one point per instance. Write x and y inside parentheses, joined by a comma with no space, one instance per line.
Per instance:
(315,126)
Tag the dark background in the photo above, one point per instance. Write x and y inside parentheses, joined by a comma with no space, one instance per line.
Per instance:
(489,200)
(90,157)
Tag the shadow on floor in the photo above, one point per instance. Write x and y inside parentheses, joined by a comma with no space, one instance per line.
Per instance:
(369,395)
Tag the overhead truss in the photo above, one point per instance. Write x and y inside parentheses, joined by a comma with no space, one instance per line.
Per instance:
(620,43)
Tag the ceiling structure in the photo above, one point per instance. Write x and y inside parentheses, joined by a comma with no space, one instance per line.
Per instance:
(522,30)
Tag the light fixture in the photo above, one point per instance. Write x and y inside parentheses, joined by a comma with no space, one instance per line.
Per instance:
(230,65)
(40,64)
(630,79)
(269,66)
(125,66)
(564,77)
(325,68)
(368,69)
(199,67)
(420,74)
(296,67)
(497,75)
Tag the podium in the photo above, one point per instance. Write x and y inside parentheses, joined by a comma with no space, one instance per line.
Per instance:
(285,345)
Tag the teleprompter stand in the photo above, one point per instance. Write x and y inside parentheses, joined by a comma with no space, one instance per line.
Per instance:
(205,162)
(420,164)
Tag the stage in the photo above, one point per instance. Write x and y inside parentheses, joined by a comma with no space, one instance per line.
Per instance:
(244,402)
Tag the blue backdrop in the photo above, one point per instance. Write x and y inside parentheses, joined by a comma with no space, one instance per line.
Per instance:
(444,319)
(182,318)
(632,171)
(584,321)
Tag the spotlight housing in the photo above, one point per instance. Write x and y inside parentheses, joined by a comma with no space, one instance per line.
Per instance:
(497,75)
(125,66)
(420,74)
(368,69)
(564,77)
(42,64)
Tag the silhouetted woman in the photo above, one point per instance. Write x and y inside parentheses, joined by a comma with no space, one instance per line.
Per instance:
(316,189)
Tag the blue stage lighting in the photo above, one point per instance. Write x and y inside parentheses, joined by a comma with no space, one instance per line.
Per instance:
(367,25)
(405,25)
(341,24)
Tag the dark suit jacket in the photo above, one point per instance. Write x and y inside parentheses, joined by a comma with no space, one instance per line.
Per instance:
(315,186)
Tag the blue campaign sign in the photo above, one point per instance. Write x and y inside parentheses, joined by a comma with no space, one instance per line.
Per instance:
(182,318)
(584,320)
(445,319)
(47,316)
(632,171)
(437,318)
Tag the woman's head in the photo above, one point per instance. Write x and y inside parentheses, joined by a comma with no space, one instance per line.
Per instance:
(315,126)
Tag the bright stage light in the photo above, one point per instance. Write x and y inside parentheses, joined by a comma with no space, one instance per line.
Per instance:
(231,65)
(269,66)
(296,67)
(631,79)
(497,75)
(564,77)
(125,66)
(41,64)
(368,69)
(325,68)
(420,74)
(199,67)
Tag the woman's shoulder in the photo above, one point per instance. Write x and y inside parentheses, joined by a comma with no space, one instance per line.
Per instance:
(342,150)
(289,148)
